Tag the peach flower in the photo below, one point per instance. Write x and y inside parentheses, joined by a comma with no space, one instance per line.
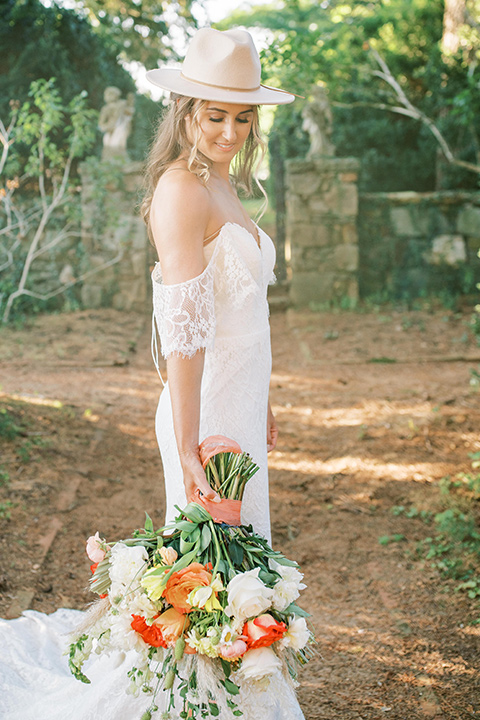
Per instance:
(165,629)
(172,624)
(94,548)
(168,555)
(181,583)
(233,651)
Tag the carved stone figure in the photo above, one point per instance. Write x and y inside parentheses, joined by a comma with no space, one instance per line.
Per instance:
(317,122)
(115,122)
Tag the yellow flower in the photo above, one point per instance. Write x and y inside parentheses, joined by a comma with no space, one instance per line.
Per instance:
(204,597)
(154,582)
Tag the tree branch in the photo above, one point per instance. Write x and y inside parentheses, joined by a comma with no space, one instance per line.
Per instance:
(82,277)
(408,109)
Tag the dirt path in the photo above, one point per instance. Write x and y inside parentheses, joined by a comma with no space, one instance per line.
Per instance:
(360,434)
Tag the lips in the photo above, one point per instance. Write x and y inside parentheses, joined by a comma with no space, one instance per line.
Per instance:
(225,148)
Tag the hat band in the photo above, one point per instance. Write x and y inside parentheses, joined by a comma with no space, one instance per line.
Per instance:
(219,87)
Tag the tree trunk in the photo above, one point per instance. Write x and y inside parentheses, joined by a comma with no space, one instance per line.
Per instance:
(453,18)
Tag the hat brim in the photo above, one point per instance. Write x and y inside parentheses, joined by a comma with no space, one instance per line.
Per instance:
(172,80)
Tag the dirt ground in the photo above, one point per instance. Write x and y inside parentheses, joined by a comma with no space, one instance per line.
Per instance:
(373,410)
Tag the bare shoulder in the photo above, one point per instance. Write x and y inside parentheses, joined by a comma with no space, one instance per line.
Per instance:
(179,217)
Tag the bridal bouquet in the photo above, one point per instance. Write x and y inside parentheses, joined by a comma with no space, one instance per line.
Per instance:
(204,602)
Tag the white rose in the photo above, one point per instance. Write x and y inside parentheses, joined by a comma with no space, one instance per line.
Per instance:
(139,604)
(297,635)
(123,636)
(287,588)
(127,565)
(247,596)
(258,663)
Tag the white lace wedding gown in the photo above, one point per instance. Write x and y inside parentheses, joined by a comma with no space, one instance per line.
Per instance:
(223,311)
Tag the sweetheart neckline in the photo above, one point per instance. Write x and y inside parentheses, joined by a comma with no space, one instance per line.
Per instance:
(258,242)
(214,242)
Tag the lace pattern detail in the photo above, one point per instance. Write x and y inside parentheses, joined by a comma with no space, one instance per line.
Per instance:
(185,314)
(234,276)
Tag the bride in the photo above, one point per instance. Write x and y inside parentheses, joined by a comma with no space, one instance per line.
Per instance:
(211,313)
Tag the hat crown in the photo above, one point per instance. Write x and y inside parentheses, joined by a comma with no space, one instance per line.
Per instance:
(225,59)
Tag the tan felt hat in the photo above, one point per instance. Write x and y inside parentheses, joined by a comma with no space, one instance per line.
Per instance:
(222,66)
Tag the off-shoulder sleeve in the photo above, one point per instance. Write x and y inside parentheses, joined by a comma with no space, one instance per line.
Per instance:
(185,314)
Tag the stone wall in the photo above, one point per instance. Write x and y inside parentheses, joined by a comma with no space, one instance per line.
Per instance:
(413,244)
(322,207)
(120,244)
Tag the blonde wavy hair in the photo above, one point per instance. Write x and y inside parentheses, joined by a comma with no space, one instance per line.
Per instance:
(171,141)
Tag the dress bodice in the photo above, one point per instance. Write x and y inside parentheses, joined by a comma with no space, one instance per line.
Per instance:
(227,300)
(223,311)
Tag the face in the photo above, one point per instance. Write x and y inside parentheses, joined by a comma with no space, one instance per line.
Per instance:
(224,129)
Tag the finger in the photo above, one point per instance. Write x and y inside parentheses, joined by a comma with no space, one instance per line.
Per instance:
(272,435)
(207,492)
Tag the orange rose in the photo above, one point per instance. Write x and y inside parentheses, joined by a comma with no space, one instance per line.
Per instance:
(215,444)
(152,634)
(172,624)
(181,584)
(263,631)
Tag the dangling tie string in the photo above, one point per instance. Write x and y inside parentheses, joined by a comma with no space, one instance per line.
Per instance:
(154,347)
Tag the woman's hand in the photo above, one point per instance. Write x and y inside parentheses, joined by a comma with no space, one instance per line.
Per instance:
(194,478)
(272,430)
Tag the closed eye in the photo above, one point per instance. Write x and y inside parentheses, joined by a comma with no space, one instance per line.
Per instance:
(240,120)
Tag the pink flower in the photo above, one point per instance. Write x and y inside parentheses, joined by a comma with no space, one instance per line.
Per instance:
(233,651)
(94,548)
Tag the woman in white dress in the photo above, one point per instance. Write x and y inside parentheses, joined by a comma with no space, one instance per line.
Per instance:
(210,308)
(215,264)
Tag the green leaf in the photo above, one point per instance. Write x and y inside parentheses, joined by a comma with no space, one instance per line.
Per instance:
(196,513)
(206,538)
(184,526)
(214,709)
(281,560)
(294,609)
(386,539)
(231,687)
(148,523)
(235,552)
(227,668)
(267,578)
(185,546)
(222,566)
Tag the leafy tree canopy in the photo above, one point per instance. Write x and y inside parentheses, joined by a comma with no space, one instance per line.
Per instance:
(329,41)
(54,42)
(39,42)
(139,28)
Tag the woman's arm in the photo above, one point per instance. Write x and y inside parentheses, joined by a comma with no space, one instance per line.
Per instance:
(179,216)
(272,430)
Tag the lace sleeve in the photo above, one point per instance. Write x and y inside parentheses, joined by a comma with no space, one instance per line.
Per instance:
(185,314)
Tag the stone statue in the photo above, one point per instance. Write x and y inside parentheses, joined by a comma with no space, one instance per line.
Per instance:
(317,122)
(115,122)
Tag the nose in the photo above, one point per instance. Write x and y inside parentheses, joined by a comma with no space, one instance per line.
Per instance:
(229,131)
